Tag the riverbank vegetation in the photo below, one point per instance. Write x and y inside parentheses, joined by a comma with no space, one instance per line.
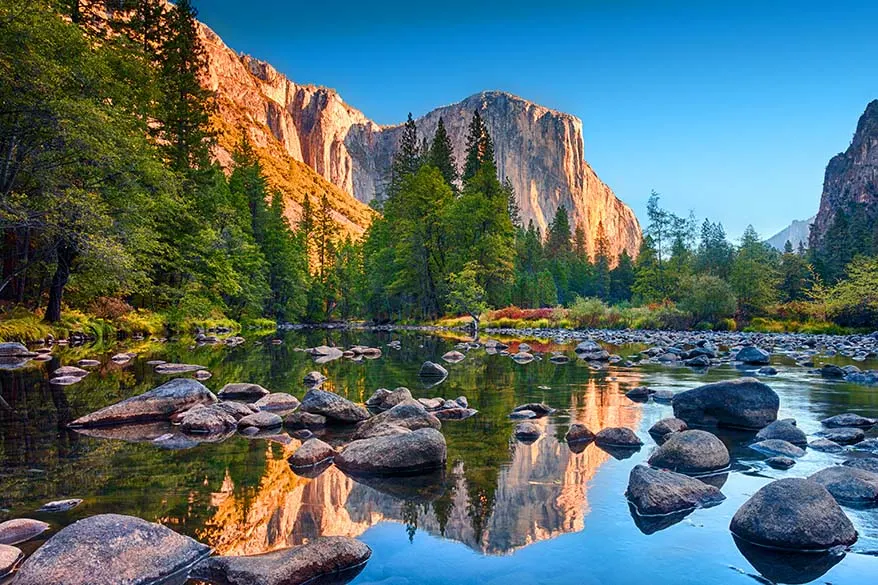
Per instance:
(117,219)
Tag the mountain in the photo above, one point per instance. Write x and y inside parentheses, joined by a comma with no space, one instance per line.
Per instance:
(796,233)
(296,126)
(850,185)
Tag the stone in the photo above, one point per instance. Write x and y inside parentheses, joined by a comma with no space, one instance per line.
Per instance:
(21,530)
(663,396)
(304,420)
(864,463)
(849,485)
(432,370)
(312,452)
(527,431)
(10,556)
(409,452)
(109,549)
(410,415)
(524,347)
(656,492)
(158,404)
(88,363)
(70,371)
(242,391)
(793,514)
(314,379)
(578,433)
(278,401)
(701,361)
(832,372)
(742,403)
(639,394)
(337,558)
(844,436)
(538,408)
(432,403)
(618,437)
(210,420)
(384,399)
(774,447)
(65,380)
(261,420)
(767,371)
(455,413)
(848,419)
(522,415)
(14,349)
(666,426)
(523,357)
(780,462)
(167,368)
(587,346)
(60,505)
(335,408)
(692,451)
(752,355)
(785,431)
(826,446)
(453,357)
(236,409)
(559,359)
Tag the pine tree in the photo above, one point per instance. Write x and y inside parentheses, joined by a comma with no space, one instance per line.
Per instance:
(479,148)
(558,244)
(441,156)
(514,209)
(325,231)
(306,225)
(406,160)
(602,262)
(622,279)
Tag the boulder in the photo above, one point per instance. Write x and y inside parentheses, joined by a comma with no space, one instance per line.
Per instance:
(88,363)
(524,347)
(578,433)
(663,396)
(523,357)
(314,379)
(587,346)
(691,452)
(109,549)
(167,368)
(864,463)
(618,437)
(432,403)
(330,557)
(743,403)
(453,357)
(158,404)
(432,370)
(70,371)
(775,447)
(14,349)
(844,436)
(559,359)
(10,556)
(826,446)
(304,420)
(65,380)
(752,355)
(527,431)
(848,419)
(261,420)
(849,485)
(238,410)
(278,401)
(332,406)
(780,462)
(785,431)
(600,355)
(21,530)
(793,514)
(701,361)
(242,391)
(312,452)
(210,420)
(538,408)
(639,394)
(384,399)
(655,492)
(410,415)
(60,505)
(832,372)
(522,415)
(406,453)
(455,413)
(324,354)
(666,426)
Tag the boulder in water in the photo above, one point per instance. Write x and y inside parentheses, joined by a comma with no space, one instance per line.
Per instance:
(656,492)
(314,379)
(691,452)
(410,415)
(242,391)
(849,419)
(661,430)
(527,431)
(312,452)
(21,530)
(778,447)
(849,485)
(752,355)
(618,437)
(409,452)
(278,401)
(578,433)
(785,431)
(432,370)
(261,420)
(333,407)
(10,556)
(211,420)
(743,403)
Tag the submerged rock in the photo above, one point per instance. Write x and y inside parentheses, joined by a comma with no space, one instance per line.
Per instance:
(780,462)
(109,549)
(578,433)
(329,556)
(432,370)
(21,530)
(784,430)
(311,453)
(691,452)
(779,447)
(242,391)
(655,492)
(166,368)
(849,484)
(157,404)
(618,437)
(742,403)
(405,453)
(844,436)
(333,407)
(848,419)
(793,514)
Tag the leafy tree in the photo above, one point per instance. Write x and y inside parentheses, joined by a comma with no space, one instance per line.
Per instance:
(854,301)
(707,298)
(754,277)
(466,295)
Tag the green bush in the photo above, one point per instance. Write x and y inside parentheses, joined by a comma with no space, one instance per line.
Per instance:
(707,298)
(587,312)
(726,325)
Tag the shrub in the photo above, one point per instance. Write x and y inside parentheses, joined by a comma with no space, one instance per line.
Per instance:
(726,325)
(703,326)
(109,308)
(707,298)
(587,312)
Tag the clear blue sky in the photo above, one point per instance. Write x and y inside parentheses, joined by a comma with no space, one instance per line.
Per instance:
(728,108)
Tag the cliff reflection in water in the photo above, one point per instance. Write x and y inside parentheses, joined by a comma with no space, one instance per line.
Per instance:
(539,491)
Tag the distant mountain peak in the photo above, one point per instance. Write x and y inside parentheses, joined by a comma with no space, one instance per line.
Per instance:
(796,233)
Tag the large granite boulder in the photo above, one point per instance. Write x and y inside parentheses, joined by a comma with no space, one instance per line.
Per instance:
(578,433)
(844,435)
(785,431)
(278,402)
(21,530)
(656,492)
(314,379)
(109,549)
(336,557)
(10,556)
(406,452)
(207,419)
(793,514)
(15,349)
(410,415)
(333,407)
(158,404)
(691,452)
(538,408)
(743,403)
(849,485)
(527,431)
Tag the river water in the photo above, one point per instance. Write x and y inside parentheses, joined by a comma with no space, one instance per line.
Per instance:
(503,511)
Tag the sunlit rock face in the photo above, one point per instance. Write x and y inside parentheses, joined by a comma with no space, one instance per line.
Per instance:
(851,182)
(540,150)
(540,493)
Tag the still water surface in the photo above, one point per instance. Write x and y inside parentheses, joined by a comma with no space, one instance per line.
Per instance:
(503,512)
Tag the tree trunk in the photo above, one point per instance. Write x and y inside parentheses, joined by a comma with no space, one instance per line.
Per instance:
(66,254)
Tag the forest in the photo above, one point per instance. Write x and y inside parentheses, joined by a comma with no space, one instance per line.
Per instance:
(116,217)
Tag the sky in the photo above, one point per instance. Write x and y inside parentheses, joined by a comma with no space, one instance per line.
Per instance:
(730,109)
